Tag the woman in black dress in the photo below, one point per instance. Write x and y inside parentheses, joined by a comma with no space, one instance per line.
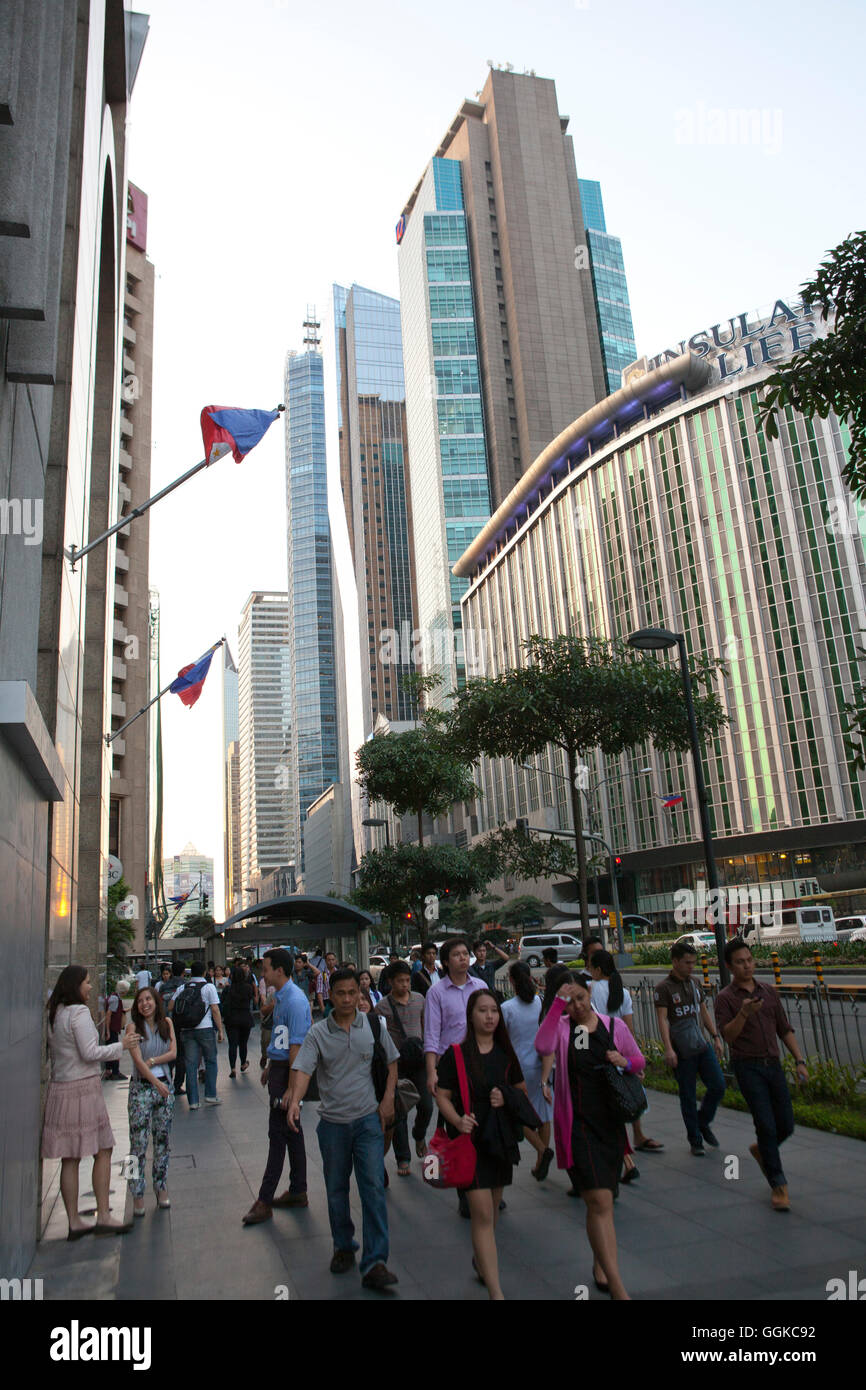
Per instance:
(590,1142)
(237,1000)
(490,1064)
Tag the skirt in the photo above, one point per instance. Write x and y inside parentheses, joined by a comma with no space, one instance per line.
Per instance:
(76,1120)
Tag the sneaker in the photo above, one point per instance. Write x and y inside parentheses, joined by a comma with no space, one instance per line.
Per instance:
(194,1105)
(709,1137)
(779,1198)
(342,1260)
(212,1100)
(698,1150)
(378,1278)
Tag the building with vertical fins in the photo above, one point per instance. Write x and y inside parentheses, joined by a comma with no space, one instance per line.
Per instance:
(264,736)
(374,482)
(231,785)
(500,330)
(314,722)
(609,286)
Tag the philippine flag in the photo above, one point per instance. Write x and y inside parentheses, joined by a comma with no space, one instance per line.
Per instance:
(669,802)
(190,679)
(228,430)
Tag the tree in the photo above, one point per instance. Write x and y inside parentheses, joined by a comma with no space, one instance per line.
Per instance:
(120,934)
(580,694)
(396,880)
(199,923)
(523,911)
(830,374)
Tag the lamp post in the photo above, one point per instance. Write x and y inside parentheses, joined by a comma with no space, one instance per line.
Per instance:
(656,639)
(621,957)
(373,822)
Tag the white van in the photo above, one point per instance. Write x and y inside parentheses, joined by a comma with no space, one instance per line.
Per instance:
(795,924)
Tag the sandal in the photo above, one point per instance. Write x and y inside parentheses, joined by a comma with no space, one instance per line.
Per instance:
(420,1148)
(404,1170)
(602,1288)
(629,1175)
(649,1146)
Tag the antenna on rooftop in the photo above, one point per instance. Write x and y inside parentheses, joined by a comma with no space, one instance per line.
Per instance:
(312,338)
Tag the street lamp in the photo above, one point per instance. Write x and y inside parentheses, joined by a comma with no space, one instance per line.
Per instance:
(374,822)
(656,639)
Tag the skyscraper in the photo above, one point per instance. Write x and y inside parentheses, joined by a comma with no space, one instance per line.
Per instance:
(231,785)
(609,284)
(264,734)
(373,478)
(500,332)
(314,724)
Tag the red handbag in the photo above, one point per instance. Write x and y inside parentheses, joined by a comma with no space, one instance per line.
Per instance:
(451,1162)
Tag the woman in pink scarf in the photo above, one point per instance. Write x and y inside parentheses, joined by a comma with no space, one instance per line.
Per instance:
(589,1142)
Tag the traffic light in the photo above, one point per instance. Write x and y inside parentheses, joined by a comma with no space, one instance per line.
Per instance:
(204,902)
(617,865)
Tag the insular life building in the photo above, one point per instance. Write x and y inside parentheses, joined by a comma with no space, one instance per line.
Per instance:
(665,505)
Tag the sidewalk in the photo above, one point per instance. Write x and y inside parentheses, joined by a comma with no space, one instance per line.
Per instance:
(684,1230)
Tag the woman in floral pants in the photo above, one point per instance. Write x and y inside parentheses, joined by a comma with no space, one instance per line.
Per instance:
(151,1096)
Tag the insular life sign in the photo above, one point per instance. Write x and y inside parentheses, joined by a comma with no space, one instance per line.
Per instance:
(738,344)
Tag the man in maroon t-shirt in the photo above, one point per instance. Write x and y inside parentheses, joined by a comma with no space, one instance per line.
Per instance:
(750,1017)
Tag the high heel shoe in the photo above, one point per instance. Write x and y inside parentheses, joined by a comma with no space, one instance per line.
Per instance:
(163,1201)
(630,1174)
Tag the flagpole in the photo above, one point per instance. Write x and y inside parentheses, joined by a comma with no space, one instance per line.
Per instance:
(109,738)
(74,554)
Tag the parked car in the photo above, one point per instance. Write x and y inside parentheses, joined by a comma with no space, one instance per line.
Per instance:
(702,941)
(850,929)
(567,947)
(795,924)
(376,966)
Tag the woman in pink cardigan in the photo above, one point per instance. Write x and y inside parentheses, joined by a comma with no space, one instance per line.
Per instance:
(589,1142)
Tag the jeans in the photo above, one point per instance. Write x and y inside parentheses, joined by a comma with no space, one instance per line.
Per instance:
(766,1093)
(706,1066)
(179,1064)
(281,1138)
(360,1143)
(423,1111)
(200,1041)
(238,1037)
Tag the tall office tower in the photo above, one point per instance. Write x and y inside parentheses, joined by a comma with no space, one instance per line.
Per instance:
(500,335)
(314,741)
(374,481)
(609,284)
(191,873)
(128,835)
(264,734)
(67,71)
(231,787)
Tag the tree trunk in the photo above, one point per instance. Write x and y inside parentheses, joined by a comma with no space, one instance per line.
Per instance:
(577,818)
(420,827)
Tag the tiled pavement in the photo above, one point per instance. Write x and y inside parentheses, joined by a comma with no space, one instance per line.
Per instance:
(685,1231)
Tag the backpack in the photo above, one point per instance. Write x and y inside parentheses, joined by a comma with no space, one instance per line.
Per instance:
(190,1008)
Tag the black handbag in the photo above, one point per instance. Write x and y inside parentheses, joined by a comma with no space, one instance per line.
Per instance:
(625,1094)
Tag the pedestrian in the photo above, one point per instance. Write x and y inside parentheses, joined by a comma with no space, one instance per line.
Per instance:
(590,945)
(428,971)
(167,992)
(112,1025)
(76,1121)
(365,980)
(385,977)
(549,957)
(445,1013)
(750,1016)
(266,998)
(151,1095)
(522,1015)
(493,1074)
(142,978)
(590,1143)
(290,1025)
(484,968)
(236,1005)
(323,983)
(164,977)
(403,1012)
(353,1117)
(554,979)
(610,996)
(196,1016)
(681,1011)
(305,978)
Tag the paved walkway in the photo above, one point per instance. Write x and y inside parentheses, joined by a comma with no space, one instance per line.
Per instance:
(684,1230)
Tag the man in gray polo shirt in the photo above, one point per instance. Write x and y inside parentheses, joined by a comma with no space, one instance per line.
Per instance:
(351,1124)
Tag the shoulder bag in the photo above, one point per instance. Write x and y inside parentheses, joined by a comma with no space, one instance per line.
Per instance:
(625,1095)
(452,1162)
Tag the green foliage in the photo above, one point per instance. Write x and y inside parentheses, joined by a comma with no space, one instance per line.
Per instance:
(831,373)
(199,923)
(521,910)
(789,953)
(418,771)
(462,917)
(120,934)
(528,856)
(396,879)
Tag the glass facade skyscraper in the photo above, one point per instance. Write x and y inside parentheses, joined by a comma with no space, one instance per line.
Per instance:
(264,731)
(609,284)
(314,742)
(373,476)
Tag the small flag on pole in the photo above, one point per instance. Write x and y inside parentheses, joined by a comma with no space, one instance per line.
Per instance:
(226,429)
(669,802)
(190,679)
(181,897)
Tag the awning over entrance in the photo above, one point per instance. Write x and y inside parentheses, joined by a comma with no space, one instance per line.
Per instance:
(293,919)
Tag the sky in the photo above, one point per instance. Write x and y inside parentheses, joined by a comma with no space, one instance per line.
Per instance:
(278,143)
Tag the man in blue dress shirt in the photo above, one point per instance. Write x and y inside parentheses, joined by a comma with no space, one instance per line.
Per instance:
(291,1023)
